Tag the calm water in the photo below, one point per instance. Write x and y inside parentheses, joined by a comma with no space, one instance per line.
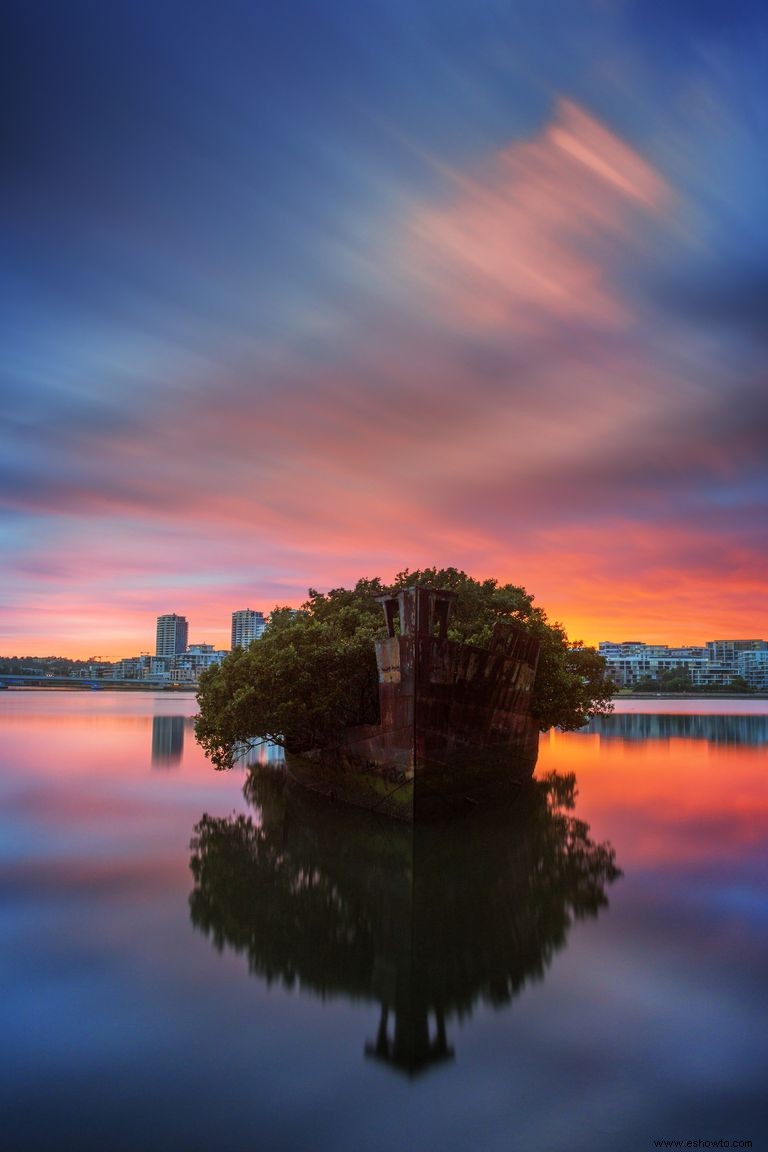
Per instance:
(185,966)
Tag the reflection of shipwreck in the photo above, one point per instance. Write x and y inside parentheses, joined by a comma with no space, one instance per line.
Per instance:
(456,726)
(424,924)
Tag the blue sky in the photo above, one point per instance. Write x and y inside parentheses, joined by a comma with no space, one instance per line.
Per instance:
(296,293)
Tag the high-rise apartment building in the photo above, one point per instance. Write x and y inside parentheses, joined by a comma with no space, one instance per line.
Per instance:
(172,633)
(247,625)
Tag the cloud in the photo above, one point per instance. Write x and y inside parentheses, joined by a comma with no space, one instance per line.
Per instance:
(525,242)
(521,411)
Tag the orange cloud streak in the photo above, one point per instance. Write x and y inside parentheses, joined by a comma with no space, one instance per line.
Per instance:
(525,422)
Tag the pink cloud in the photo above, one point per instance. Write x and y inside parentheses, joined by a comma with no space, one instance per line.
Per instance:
(523,243)
(528,422)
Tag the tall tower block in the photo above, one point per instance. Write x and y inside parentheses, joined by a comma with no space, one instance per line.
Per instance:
(172,634)
(247,625)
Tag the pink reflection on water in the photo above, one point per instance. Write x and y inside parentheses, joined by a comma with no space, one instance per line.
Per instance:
(690,706)
(82,733)
(83,789)
(666,801)
(79,779)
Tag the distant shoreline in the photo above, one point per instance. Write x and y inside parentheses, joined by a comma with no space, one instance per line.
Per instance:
(101,688)
(691,696)
(190,689)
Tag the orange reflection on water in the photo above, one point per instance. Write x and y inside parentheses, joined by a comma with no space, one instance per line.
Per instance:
(672,799)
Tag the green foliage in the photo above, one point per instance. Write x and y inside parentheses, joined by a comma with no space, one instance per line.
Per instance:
(313,672)
(45,665)
(676,681)
(479,603)
(647,684)
(671,681)
(571,683)
(739,684)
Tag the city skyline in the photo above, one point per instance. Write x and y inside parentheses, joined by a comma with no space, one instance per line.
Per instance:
(255,620)
(300,295)
(220,638)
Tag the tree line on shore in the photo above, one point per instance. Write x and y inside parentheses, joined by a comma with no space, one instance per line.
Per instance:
(43,665)
(679,680)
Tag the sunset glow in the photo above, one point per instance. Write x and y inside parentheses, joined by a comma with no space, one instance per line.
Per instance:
(283,314)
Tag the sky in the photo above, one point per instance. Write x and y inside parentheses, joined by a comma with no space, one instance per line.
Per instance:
(295,293)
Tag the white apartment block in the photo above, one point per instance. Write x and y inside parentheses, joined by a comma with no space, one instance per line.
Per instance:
(753,666)
(186,667)
(247,625)
(716,663)
(142,667)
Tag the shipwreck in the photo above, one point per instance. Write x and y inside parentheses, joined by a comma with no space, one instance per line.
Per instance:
(455,727)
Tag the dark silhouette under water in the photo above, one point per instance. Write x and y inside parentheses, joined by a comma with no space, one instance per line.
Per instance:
(426,920)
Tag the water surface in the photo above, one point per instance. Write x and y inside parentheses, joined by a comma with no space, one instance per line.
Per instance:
(185,965)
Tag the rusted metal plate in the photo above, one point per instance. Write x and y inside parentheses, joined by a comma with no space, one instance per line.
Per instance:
(455,723)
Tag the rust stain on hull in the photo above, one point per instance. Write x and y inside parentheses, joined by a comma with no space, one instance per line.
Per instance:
(455,726)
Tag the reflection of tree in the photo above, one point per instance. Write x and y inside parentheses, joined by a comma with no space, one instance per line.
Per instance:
(426,920)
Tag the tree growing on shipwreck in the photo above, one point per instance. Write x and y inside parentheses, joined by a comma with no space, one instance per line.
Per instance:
(312,677)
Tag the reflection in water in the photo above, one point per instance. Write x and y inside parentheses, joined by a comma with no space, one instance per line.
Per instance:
(259,753)
(750,730)
(168,745)
(427,921)
(167,739)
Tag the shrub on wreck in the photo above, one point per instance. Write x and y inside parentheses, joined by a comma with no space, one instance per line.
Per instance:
(313,672)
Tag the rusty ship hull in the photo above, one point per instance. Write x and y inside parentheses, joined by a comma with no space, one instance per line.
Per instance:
(456,728)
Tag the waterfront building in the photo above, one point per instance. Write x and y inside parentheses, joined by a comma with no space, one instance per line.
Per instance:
(712,665)
(187,666)
(752,664)
(728,651)
(247,625)
(98,670)
(632,661)
(143,667)
(172,635)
